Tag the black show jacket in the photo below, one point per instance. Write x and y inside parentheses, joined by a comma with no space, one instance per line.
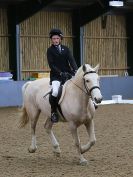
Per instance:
(60,61)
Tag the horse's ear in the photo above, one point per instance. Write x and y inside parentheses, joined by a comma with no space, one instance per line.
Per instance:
(84,68)
(97,68)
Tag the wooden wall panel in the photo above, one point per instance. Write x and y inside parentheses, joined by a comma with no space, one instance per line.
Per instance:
(4,48)
(107,46)
(35,40)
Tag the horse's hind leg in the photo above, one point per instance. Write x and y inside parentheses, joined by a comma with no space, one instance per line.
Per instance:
(33,113)
(56,148)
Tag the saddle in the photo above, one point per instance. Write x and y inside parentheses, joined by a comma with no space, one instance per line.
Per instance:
(60,96)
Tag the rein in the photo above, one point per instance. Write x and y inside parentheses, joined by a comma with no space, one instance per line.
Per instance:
(79,87)
(88,91)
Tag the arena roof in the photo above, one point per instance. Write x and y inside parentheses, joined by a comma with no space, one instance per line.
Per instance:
(65,5)
(60,3)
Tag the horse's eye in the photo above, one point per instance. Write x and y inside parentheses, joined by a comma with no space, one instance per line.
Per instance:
(87,81)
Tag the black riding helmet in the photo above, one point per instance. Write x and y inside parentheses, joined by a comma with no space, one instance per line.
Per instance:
(56,32)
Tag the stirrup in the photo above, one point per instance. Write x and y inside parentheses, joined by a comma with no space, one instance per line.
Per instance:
(54,117)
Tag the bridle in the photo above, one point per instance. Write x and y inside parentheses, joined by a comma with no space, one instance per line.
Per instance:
(87,90)
(92,88)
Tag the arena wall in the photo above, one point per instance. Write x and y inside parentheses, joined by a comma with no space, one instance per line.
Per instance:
(11,94)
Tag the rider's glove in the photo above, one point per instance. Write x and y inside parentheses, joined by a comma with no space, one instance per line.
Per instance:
(65,75)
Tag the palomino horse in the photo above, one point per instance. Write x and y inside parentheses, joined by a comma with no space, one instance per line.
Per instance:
(77,107)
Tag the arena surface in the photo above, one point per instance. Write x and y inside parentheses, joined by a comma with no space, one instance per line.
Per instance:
(112,155)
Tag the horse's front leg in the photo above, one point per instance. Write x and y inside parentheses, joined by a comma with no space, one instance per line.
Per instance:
(73,129)
(92,139)
(48,126)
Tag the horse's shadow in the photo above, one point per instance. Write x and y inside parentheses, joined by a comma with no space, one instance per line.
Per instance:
(34,161)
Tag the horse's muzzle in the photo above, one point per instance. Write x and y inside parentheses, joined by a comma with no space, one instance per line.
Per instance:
(98,100)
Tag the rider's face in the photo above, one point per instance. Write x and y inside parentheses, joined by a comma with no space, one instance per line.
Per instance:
(56,40)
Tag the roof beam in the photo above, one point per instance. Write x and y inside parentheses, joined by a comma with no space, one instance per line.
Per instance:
(129,1)
(91,12)
(29,8)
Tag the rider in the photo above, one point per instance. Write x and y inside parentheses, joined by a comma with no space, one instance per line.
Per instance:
(62,67)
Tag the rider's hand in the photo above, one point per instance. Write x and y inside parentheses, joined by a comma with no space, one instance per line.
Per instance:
(62,74)
(65,75)
(68,75)
(74,72)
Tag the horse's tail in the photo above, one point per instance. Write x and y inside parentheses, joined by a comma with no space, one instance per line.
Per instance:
(24,88)
(24,119)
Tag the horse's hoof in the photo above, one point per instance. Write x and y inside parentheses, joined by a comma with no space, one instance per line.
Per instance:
(84,162)
(31,150)
(57,154)
(57,151)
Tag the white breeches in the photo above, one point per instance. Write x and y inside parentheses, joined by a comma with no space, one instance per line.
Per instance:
(55,88)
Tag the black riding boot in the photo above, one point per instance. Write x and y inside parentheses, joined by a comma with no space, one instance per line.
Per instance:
(53,102)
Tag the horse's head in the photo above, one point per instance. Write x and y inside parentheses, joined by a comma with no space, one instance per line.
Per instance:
(91,82)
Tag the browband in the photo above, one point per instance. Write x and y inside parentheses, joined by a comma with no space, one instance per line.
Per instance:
(89,72)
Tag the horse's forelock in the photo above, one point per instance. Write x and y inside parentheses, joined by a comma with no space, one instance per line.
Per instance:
(88,68)
(80,73)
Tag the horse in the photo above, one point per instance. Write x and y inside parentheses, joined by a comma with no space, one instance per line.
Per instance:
(76,103)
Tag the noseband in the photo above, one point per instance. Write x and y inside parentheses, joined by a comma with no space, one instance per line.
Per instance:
(94,87)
